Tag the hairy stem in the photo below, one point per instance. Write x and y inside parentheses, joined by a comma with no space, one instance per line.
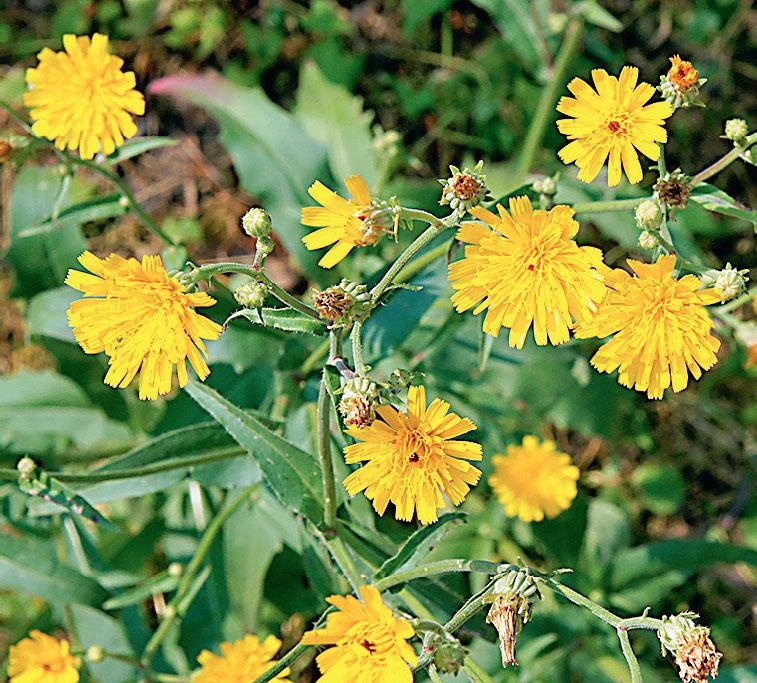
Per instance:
(324,442)
(633,663)
(610,205)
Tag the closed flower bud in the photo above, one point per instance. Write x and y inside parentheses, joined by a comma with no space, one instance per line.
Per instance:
(257,223)
(648,215)
(673,189)
(95,654)
(648,240)
(464,189)
(175,569)
(26,467)
(359,400)
(344,303)
(736,130)
(546,186)
(251,294)
(449,657)
(696,656)
(731,282)
(680,86)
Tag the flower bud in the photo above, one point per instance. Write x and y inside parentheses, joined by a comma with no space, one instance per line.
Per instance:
(648,215)
(648,240)
(696,656)
(449,657)
(251,294)
(673,189)
(175,569)
(360,397)
(730,281)
(546,186)
(263,247)
(95,654)
(257,223)
(680,86)
(464,189)
(344,303)
(736,130)
(26,467)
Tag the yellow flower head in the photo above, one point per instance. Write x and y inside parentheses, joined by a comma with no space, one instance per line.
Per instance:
(80,97)
(534,480)
(611,121)
(661,327)
(242,661)
(142,318)
(412,458)
(526,269)
(682,73)
(370,643)
(42,659)
(347,222)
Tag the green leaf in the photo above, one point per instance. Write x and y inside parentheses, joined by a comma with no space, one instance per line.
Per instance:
(420,544)
(136,146)
(662,487)
(607,532)
(335,117)
(686,555)
(595,14)
(92,627)
(275,158)
(46,315)
(711,198)
(95,209)
(292,474)
(42,387)
(29,566)
(160,583)
(285,319)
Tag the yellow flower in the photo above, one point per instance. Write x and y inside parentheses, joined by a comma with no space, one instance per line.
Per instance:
(682,73)
(81,99)
(142,318)
(611,121)
(370,643)
(42,659)
(241,662)
(661,327)
(534,480)
(348,222)
(412,458)
(527,270)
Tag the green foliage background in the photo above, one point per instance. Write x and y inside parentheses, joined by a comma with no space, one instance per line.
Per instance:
(664,517)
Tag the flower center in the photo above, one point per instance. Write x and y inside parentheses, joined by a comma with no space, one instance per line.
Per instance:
(613,126)
(417,446)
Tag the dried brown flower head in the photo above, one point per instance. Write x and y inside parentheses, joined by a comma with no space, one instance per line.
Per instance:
(673,191)
(333,303)
(357,411)
(697,658)
(504,616)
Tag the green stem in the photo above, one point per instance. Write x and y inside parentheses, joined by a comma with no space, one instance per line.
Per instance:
(610,205)
(545,107)
(725,161)
(282,664)
(633,663)
(417,265)
(357,348)
(641,622)
(433,568)
(212,269)
(581,600)
(347,566)
(324,442)
(178,605)
(313,360)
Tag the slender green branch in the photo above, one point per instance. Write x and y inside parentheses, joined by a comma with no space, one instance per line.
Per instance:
(324,442)
(357,348)
(433,568)
(417,265)
(610,205)
(282,664)
(545,108)
(178,604)
(641,622)
(633,663)
(581,600)
(724,161)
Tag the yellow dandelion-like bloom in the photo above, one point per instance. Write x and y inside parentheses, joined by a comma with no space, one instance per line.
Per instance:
(42,659)
(412,458)
(80,97)
(345,223)
(682,73)
(534,480)
(660,325)
(240,662)
(370,643)
(611,121)
(527,269)
(142,318)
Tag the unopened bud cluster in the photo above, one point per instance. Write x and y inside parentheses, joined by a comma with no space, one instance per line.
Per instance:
(343,304)
(257,223)
(546,186)
(464,189)
(736,130)
(696,656)
(360,397)
(251,294)
(511,598)
(680,86)
(730,281)
(673,189)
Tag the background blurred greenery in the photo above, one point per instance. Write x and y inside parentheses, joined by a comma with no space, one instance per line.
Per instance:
(396,90)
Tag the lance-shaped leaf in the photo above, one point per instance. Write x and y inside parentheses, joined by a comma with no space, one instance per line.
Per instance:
(292,473)
(98,208)
(136,146)
(711,198)
(284,319)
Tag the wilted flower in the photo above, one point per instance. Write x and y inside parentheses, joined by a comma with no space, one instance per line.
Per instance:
(464,189)
(673,189)
(696,656)
(242,660)
(344,303)
(412,458)
(80,97)
(40,658)
(369,644)
(360,397)
(611,121)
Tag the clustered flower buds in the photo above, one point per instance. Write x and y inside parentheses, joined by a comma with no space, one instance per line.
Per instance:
(673,189)
(648,215)
(730,281)
(696,656)
(464,189)
(360,397)
(344,303)
(257,223)
(736,130)
(680,86)
(546,186)
(511,598)
(251,294)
